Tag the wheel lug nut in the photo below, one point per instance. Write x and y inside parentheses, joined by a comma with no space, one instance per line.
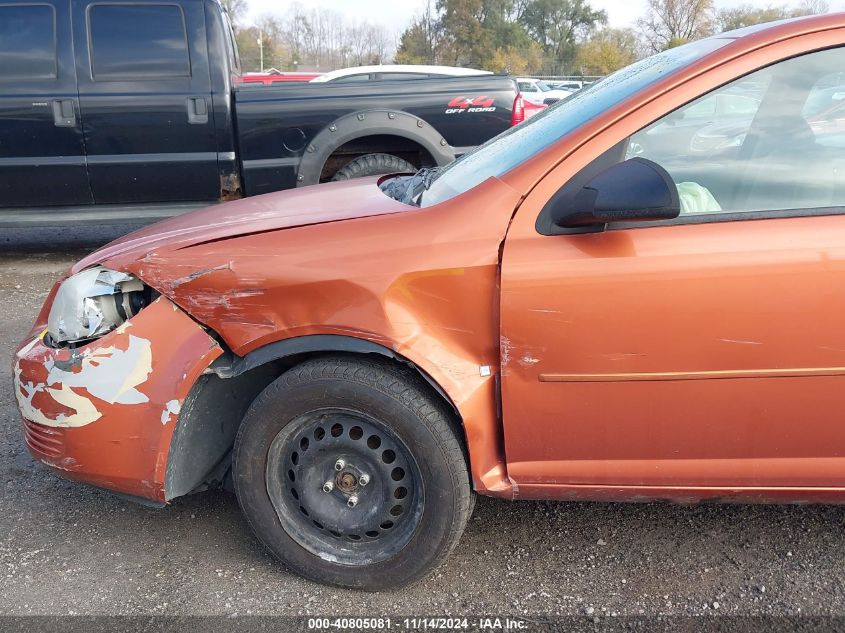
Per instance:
(352,501)
(364,480)
(328,486)
(339,464)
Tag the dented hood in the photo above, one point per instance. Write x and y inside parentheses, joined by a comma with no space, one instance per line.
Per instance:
(329,202)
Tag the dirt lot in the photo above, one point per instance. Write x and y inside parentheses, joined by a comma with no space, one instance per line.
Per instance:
(69,549)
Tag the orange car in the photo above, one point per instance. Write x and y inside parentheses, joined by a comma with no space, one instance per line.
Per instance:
(556,315)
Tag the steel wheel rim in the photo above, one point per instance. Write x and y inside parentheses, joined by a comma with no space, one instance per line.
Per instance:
(344,486)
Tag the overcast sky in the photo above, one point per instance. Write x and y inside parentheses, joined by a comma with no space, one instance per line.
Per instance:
(396,14)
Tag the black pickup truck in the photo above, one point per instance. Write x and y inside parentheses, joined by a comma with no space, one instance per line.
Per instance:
(115,110)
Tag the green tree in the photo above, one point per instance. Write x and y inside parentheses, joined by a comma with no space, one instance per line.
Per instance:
(418,43)
(606,51)
(464,40)
(517,61)
(490,34)
(247,40)
(558,25)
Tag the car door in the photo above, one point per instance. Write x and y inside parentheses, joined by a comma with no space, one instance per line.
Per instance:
(145,95)
(42,157)
(705,351)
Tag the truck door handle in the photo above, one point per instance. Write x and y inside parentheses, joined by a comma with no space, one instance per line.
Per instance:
(64,113)
(197,110)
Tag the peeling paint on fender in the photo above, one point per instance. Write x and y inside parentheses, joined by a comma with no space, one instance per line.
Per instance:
(105,412)
(173,407)
(109,374)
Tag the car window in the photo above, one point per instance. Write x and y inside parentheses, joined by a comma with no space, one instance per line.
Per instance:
(27,42)
(133,41)
(400,76)
(525,86)
(349,79)
(773,140)
(520,143)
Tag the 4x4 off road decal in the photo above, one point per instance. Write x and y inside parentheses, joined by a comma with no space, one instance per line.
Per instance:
(464,104)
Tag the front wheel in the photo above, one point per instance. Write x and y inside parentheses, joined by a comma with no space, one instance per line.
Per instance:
(351,473)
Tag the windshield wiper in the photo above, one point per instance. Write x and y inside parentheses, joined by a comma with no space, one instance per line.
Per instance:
(407,189)
(420,183)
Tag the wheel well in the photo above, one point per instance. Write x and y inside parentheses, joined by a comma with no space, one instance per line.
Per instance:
(200,451)
(405,148)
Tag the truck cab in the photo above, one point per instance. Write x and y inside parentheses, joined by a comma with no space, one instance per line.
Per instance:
(133,111)
(114,103)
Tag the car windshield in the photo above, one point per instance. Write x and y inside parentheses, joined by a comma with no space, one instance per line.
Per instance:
(504,152)
(543,87)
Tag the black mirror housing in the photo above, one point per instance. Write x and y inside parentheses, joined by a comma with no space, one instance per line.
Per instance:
(634,190)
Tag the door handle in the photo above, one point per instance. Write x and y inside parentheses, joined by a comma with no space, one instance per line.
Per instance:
(64,113)
(197,110)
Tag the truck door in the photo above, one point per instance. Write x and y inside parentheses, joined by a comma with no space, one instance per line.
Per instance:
(145,95)
(42,157)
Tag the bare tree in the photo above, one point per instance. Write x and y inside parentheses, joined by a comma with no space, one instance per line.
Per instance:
(812,7)
(237,11)
(740,16)
(669,23)
(314,39)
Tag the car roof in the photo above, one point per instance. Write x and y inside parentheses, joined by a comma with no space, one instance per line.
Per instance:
(401,68)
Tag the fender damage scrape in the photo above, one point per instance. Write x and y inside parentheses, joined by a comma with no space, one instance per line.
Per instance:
(430,295)
(113,404)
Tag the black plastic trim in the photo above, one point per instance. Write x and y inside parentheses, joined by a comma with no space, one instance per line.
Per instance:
(706,218)
(734,216)
(230,366)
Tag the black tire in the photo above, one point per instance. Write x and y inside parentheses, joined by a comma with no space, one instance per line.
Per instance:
(373,165)
(382,411)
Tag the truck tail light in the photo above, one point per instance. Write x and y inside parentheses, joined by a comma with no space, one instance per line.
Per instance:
(518,111)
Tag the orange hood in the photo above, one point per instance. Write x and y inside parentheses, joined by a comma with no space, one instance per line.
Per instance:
(318,204)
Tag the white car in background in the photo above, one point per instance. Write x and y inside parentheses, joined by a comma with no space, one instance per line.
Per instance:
(539,92)
(389,72)
(574,86)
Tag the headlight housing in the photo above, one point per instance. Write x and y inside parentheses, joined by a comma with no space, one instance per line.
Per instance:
(92,303)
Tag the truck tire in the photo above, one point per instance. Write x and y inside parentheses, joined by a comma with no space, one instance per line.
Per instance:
(351,473)
(373,165)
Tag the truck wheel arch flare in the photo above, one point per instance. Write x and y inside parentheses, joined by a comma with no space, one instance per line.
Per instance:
(364,123)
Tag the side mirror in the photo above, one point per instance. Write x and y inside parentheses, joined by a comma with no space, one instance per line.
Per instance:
(634,190)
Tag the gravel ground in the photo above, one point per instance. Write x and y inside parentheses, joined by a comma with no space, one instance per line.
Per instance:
(69,549)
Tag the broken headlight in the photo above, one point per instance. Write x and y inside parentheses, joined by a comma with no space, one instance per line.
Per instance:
(92,303)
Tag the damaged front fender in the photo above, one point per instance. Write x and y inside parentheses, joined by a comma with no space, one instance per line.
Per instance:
(105,412)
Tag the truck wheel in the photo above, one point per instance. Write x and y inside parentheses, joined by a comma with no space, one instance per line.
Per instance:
(373,165)
(350,473)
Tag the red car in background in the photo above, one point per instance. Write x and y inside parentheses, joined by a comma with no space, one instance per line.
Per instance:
(268,79)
